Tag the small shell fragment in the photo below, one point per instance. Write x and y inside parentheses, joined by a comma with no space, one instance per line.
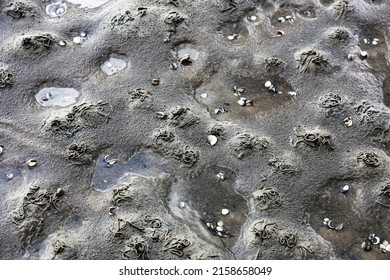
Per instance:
(363,54)
(221,176)
(346,188)
(1,149)
(351,56)
(281,19)
(182,205)
(186,60)
(60,192)
(111,211)
(173,66)
(62,43)
(280,33)
(155,82)
(9,176)
(268,84)
(230,37)
(252,18)
(387,248)
(225,211)
(161,115)
(367,41)
(366,246)
(248,103)
(292,93)
(220,224)
(83,34)
(220,229)
(331,225)
(212,139)
(339,227)
(204,95)
(348,122)
(325,221)
(77,40)
(376,240)
(31,163)
(242,102)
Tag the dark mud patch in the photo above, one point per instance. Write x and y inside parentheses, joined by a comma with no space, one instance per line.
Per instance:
(205,199)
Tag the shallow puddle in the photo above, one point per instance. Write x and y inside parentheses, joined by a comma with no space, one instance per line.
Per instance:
(107,176)
(113,65)
(56,9)
(205,198)
(88,3)
(62,97)
(221,99)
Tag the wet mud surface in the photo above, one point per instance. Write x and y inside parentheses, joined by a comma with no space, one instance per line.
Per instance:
(181,129)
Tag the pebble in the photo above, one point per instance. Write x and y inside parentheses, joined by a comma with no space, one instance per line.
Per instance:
(212,139)
(225,211)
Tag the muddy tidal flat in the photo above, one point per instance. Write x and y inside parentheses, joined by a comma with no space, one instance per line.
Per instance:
(194,129)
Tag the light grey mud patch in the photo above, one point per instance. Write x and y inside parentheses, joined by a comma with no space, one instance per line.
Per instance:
(201,200)
(73,223)
(62,97)
(221,99)
(107,176)
(88,3)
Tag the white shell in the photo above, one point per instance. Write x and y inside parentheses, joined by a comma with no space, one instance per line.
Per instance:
(212,139)
(346,188)
(77,40)
(387,247)
(31,162)
(225,211)
(253,18)
(220,224)
(182,205)
(292,93)
(366,41)
(348,122)
(203,95)
(280,33)
(10,176)
(83,34)
(1,149)
(363,54)
(374,43)
(230,37)
(281,19)
(351,56)
(268,84)
(62,43)
(376,240)
(241,102)
(219,228)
